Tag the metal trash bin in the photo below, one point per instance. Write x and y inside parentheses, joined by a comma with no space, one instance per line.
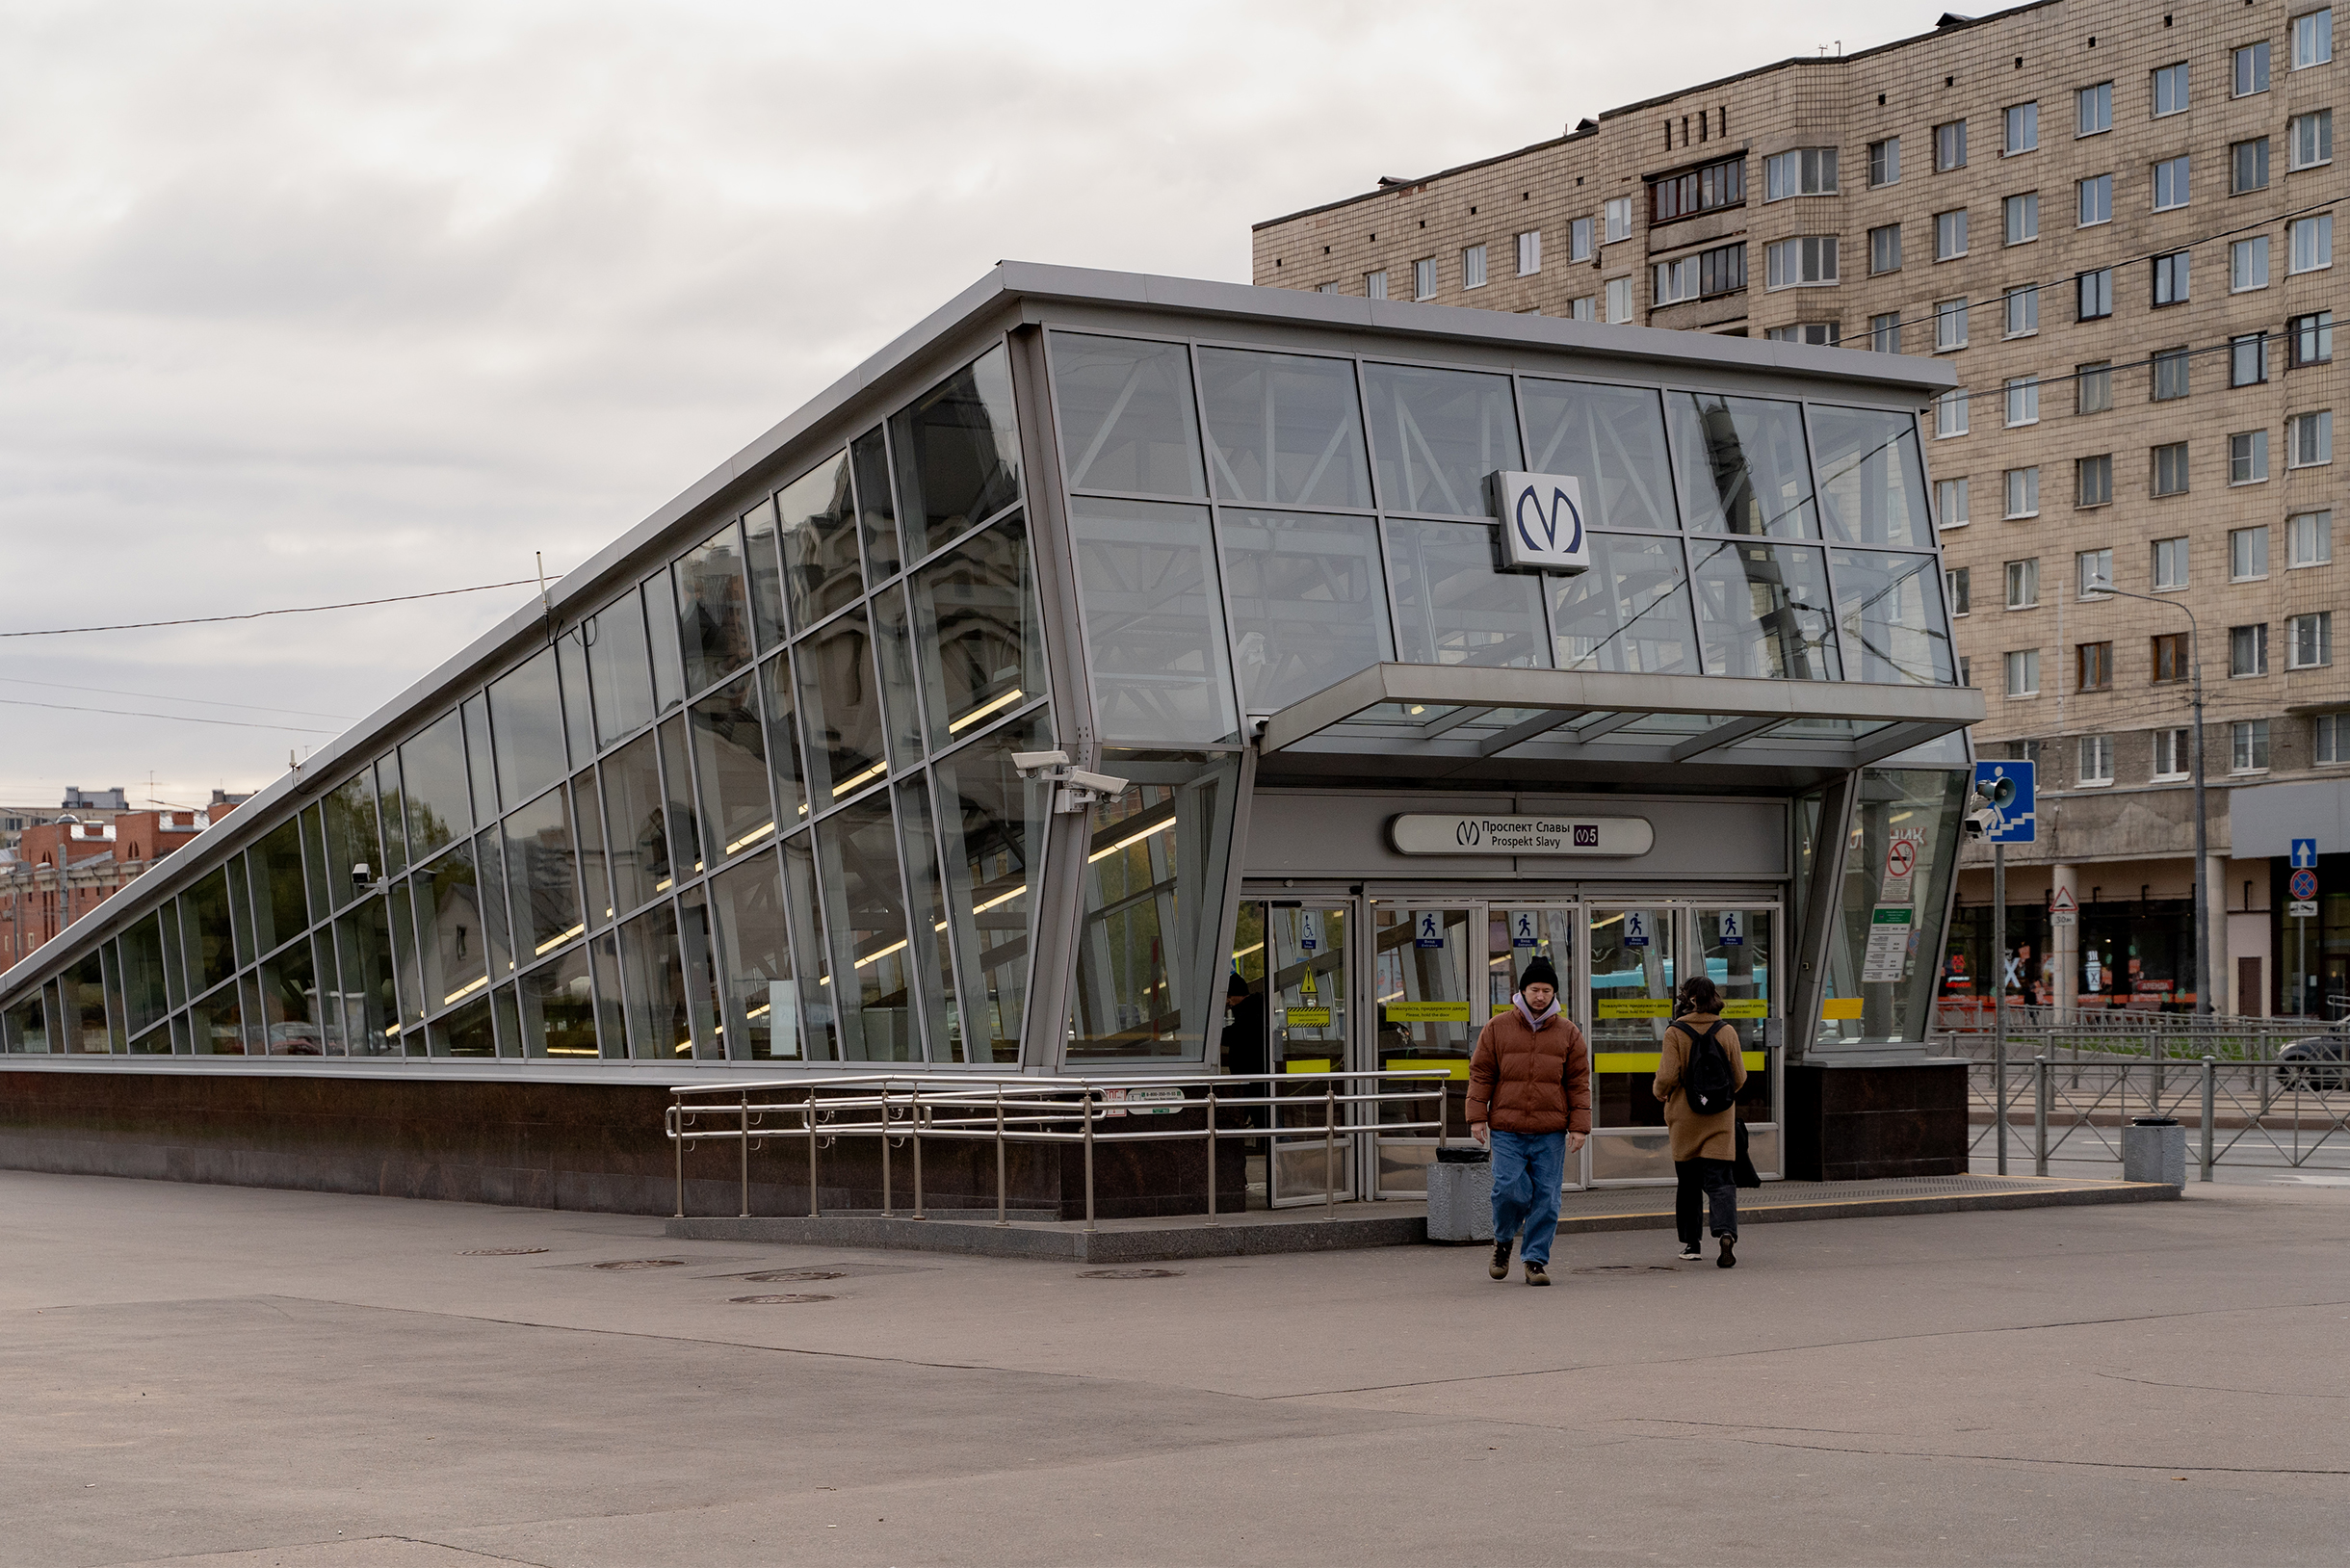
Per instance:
(2154,1149)
(1460,1196)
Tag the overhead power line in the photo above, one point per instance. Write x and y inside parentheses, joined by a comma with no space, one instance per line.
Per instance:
(256,614)
(177,719)
(165,696)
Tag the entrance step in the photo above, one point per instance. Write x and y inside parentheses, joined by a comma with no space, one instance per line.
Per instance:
(1393,1223)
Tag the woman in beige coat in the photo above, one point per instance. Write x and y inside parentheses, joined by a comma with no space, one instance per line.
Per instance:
(1704,1148)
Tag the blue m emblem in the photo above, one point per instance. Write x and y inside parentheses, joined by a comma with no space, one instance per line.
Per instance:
(1542,519)
(1538,521)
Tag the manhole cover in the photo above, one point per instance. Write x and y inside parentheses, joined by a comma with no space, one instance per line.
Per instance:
(500,1251)
(1627,1268)
(641,1262)
(774,1301)
(1132,1273)
(794,1276)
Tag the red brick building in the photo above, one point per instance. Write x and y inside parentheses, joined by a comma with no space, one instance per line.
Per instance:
(62,870)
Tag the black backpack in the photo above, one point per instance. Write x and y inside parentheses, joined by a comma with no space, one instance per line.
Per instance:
(1707,1080)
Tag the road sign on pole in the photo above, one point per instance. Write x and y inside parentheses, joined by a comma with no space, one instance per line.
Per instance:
(2063,910)
(2305,855)
(2008,786)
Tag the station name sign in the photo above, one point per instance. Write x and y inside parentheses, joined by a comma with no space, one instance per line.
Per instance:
(1429,833)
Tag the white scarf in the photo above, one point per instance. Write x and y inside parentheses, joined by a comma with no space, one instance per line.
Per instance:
(1518,1002)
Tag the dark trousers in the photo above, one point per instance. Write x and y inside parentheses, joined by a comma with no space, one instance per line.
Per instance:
(1703,1181)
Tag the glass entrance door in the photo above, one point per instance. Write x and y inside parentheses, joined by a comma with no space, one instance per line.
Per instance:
(1424,1017)
(1293,1012)
(1632,953)
(1739,950)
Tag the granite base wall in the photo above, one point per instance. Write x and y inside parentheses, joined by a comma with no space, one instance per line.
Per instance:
(1846,1124)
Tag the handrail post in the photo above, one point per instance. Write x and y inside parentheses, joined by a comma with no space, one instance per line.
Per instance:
(745,1142)
(918,1213)
(1000,1217)
(677,1131)
(1330,1148)
(810,1113)
(2211,1067)
(1212,1153)
(886,1206)
(1088,1100)
(2040,1115)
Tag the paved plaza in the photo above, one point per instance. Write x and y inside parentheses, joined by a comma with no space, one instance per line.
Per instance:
(216,1377)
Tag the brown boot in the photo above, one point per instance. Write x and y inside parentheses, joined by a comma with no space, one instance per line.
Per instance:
(1500,1258)
(1536,1273)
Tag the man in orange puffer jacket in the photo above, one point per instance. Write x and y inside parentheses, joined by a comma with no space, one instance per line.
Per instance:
(1529,1100)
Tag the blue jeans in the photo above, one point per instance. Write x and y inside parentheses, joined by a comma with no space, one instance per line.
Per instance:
(1527,1170)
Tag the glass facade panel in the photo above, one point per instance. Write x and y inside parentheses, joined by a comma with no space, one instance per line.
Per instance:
(408,968)
(894,651)
(587,838)
(1871,477)
(876,513)
(1764,611)
(714,609)
(926,926)
(752,939)
(1126,419)
(783,743)
(366,1009)
(219,1024)
(212,953)
(1438,435)
(497,918)
(992,824)
(1283,429)
(354,850)
(762,561)
(653,976)
(468,1031)
(1892,618)
(637,818)
(480,768)
(662,634)
(1153,622)
(84,1010)
(730,758)
(558,1006)
(434,791)
(865,916)
(1452,605)
(393,814)
(958,452)
(619,668)
(812,964)
(448,929)
(1629,614)
(1309,602)
(1611,438)
(840,709)
(543,876)
(677,793)
(1923,804)
(281,909)
(526,713)
(700,975)
(26,1026)
(1741,464)
(290,1021)
(819,532)
(579,715)
(977,634)
(145,993)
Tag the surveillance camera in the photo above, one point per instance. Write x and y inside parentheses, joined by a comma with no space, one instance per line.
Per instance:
(1978,823)
(1099,783)
(1037,761)
(361,874)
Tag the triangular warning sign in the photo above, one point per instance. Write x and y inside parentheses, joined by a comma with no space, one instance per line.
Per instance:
(2064,904)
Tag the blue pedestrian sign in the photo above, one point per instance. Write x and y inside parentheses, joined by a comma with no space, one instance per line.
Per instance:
(2008,787)
(2305,855)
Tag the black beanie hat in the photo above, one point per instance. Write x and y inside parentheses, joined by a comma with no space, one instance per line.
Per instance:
(1538,972)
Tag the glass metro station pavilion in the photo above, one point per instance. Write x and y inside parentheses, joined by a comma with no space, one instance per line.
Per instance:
(740,798)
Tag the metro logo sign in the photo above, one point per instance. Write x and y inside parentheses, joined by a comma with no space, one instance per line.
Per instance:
(1542,521)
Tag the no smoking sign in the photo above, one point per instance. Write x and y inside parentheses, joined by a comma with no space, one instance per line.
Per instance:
(1902,868)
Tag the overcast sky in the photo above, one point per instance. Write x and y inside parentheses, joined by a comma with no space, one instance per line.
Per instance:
(303,302)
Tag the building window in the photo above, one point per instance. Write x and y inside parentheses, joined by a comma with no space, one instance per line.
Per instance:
(1826,334)
(2171,183)
(2171,754)
(1950,325)
(1423,279)
(2312,38)
(2170,563)
(2310,536)
(2248,263)
(2330,738)
(1619,299)
(2171,90)
(2312,138)
(2094,200)
(2248,165)
(1529,252)
(2250,70)
(2248,650)
(1702,276)
(1957,582)
(2310,640)
(2170,374)
(2248,359)
(2023,672)
(1950,414)
(2309,439)
(1951,503)
(2021,216)
(2093,666)
(2170,654)
(1473,266)
(1949,235)
(1618,213)
(1325,288)
(2171,279)
(1579,240)
(2096,760)
(1375,284)
(1885,162)
(1807,262)
(2021,126)
(2170,463)
(2095,384)
(1884,248)
(2022,401)
(2022,310)
(1885,332)
(2093,569)
(2093,295)
(2023,584)
(1715,186)
(1949,147)
(1801,171)
(1965,670)
(2022,493)
(2093,481)
(2311,243)
(2311,338)
(2093,109)
(1585,309)
(2248,464)
(2247,745)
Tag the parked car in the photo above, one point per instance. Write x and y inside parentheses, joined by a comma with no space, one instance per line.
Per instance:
(2321,1061)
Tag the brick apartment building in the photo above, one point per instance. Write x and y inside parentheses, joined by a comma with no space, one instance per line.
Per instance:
(62,869)
(2118,221)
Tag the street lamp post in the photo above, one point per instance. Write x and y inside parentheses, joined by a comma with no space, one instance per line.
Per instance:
(2202,892)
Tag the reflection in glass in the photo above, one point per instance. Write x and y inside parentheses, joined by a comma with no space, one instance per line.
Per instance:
(407,967)
(761,1002)
(85,990)
(1148,980)
(367,1012)
(509,1020)
(894,648)
(654,979)
(465,1032)
(1153,622)
(212,954)
(611,1009)
(579,715)
(1611,438)
(783,743)
(1629,614)
(1309,602)
(393,813)
(977,631)
(819,529)
(877,513)
(730,757)
(1284,429)
(865,916)
(24,1029)
(762,553)
(684,817)
(992,822)
(351,840)
(1454,608)
(526,713)
(957,451)
(663,636)
(812,964)
(638,823)
(479,767)
(587,839)
(435,791)
(620,666)
(559,1008)
(1741,466)
(1763,611)
(219,1024)
(1632,976)
(449,924)
(701,974)
(926,922)
(289,1019)
(497,928)
(542,876)
(1126,419)
(1923,804)
(1891,619)
(1439,435)
(314,861)
(1871,476)
(145,993)
(839,708)
(282,911)
(713,609)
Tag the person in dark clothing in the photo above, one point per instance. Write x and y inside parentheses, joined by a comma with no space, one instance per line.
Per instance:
(1704,1148)
(1247,1044)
